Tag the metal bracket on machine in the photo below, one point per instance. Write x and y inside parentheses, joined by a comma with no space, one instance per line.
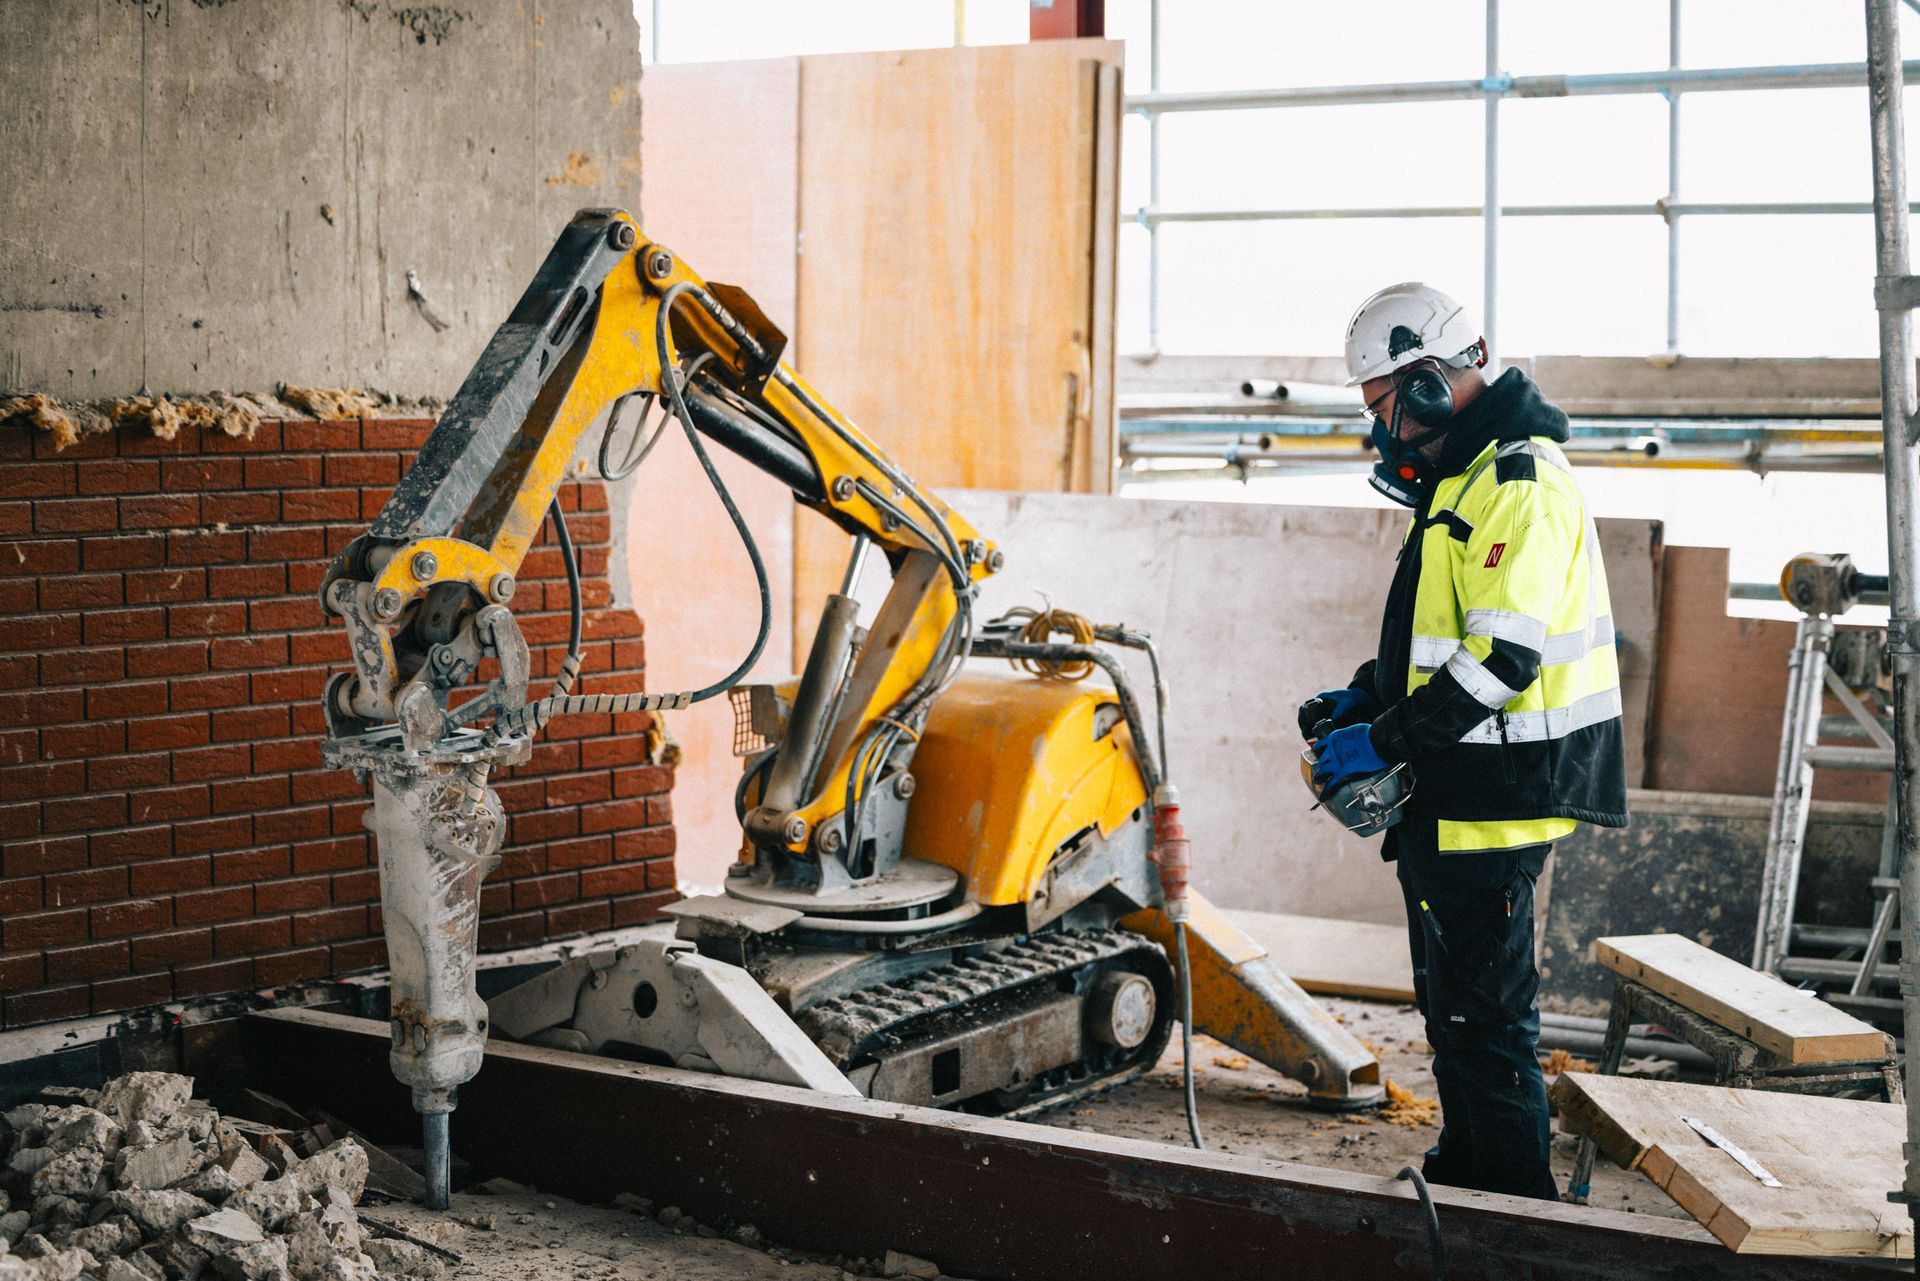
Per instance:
(671,1005)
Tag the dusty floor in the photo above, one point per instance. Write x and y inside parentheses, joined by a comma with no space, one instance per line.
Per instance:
(507,1233)
(1249,1109)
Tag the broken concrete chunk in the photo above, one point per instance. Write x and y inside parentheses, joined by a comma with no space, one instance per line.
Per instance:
(342,1164)
(33,1246)
(352,1267)
(58,1211)
(29,1160)
(113,1235)
(341,1226)
(28,1119)
(308,1250)
(147,1265)
(121,1270)
(262,1261)
(12,1225)
(211,1184)
(279,1155)
(237,1157)
(174,1256)
(900,1264)
(88,1128)
(272,1203)
(61,1265)
(69,1174)
(157,1165)
(403,1258)
(158,1212)
(223,1231)
(153,1097)
(198,1118)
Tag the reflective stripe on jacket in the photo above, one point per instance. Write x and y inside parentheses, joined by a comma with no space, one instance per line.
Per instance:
(1511,714)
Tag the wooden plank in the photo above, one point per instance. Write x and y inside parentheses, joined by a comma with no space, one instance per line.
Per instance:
(1723,680)
(1836,1160)
(1798,1026)
(947,208)
(1334,957)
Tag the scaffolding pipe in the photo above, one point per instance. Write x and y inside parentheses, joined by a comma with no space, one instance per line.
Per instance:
(1657,208)
(1490,203)
(1829,75)
(1887,77)
(1672,203)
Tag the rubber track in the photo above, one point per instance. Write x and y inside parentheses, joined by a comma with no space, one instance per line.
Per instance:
(853,1027)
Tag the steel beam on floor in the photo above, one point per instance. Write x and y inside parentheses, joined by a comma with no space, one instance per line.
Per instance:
(984,1198)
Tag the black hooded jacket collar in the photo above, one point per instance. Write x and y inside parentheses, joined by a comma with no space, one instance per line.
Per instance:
(1511,408)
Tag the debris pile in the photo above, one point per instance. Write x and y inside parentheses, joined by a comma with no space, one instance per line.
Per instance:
(1561,1061)
(234,413)
(139,1181)
(1404,1107)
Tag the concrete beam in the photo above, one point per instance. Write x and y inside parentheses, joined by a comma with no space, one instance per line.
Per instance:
(227,197)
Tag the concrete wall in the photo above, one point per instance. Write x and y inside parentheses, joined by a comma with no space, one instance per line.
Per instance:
(1255,607)
(228,194)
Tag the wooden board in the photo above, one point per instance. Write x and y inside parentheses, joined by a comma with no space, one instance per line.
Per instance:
(1798,1026)
(1720,690)
(1836,1160)
(1334,957)
(952,279)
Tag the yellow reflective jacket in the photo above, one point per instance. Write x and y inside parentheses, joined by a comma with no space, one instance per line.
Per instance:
(1497,669)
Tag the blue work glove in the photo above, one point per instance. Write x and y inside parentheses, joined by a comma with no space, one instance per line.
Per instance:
(1343,707)
(1343,755)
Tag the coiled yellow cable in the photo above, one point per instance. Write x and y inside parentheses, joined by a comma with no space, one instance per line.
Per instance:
(1044,627)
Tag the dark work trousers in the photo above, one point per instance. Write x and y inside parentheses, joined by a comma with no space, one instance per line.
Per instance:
(1470,928)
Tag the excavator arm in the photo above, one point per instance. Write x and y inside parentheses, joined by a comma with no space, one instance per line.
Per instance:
(609,318)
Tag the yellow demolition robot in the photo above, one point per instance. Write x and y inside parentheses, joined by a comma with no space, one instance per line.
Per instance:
(957,887)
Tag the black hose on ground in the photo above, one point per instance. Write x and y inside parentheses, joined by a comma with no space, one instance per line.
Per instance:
(1436,1248)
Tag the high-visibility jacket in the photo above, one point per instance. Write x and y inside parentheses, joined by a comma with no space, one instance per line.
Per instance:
(1511,713)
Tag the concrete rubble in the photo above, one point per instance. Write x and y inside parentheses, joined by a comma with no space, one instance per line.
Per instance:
(139,1181)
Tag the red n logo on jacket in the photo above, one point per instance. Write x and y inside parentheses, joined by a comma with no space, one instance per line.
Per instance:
(1493,557)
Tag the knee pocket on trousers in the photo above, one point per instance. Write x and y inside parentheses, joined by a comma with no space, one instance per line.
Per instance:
(1485,976)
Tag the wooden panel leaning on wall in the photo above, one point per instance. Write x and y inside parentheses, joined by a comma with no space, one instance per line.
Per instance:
(957,300)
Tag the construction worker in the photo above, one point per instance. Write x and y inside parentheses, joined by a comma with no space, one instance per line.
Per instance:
(1496,687)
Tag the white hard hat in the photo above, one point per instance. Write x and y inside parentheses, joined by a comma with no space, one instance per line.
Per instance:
(1402,324)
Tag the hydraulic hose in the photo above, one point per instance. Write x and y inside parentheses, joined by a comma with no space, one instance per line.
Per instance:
(1436,1247)
(570,665)
(534,716)
(1185,978)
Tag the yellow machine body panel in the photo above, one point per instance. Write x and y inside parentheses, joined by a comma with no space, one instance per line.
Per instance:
(1008,769)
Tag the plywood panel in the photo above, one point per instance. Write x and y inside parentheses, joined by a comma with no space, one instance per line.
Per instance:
(1721,690)
(1794,1024)
(1835,1159)
(1337,958)
(720,148)
(948,206)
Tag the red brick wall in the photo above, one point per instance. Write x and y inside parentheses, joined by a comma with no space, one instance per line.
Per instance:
(166,826)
